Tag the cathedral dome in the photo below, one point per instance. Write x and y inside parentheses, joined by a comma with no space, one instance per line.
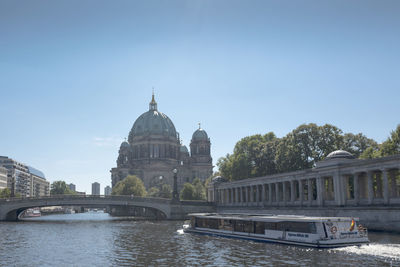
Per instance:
(124,145)
(342,154)
(183,149)
(152,122)
(199,135)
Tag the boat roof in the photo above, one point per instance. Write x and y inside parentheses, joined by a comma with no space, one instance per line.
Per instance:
(270,217)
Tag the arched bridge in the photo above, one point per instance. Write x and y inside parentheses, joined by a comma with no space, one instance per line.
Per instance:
(11,208)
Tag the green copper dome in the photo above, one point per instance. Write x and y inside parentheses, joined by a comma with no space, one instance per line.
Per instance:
(152,122)
(183,149)
(200,134)
(124,145)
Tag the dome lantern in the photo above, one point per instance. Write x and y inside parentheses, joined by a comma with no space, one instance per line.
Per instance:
(153,103)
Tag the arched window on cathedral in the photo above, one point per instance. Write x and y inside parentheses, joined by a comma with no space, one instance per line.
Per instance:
(156,151)
(162,151)
(142,152)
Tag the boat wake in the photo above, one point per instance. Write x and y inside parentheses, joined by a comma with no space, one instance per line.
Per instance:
(389,252)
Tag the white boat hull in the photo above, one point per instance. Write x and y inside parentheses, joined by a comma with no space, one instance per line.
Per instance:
(318,244)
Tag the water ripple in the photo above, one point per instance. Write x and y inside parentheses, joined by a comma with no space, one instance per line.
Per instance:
(97,239)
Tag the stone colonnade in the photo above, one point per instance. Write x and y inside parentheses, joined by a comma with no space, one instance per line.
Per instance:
(353,187)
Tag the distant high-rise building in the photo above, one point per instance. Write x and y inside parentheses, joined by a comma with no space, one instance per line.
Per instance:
(96,188)
(24,180)
(72,187)
(107,190)
(3,178)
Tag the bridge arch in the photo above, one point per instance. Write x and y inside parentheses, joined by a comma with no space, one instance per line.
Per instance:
(10,209)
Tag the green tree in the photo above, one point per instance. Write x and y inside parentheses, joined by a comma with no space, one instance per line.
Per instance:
(199,190)
(225,166)
(306,145)
(153,192)
(259,155)
(193,191)
(60,188)
(5,193)
(165,191)
(131,185)
(187,192)
(370,153)
(357,144)
(392,145)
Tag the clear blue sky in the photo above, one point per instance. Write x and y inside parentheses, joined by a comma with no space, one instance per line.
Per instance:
(74,75)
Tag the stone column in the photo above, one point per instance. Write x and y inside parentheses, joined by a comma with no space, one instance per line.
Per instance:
(246,191)
(385,186)
(231,194)
(393,186)
(300,192)
(251,194)
(277,192)
(284,192)
(292,192)
(237,195)
(269,194)
(320,192)
(258,194)
(356,188)
(309,191)
(263,196)
(224,196)
(370,187)
(337,184)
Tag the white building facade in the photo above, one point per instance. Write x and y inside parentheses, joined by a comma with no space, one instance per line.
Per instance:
(3,178)
(24,180)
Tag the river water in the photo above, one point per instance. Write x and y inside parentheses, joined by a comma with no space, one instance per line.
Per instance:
(97,239)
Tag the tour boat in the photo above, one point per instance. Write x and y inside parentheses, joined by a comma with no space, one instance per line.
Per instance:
(318,232)
(35,212)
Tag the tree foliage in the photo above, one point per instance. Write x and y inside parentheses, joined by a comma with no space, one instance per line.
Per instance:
(193,191)
(60,188)
(187,192)
(131,185)
(260,155)
(164,191)
(389,147)
(5,193)
(392,145)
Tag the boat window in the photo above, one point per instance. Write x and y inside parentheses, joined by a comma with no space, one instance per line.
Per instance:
(239,226)
(226,225)
(270,225)
(206,223)
(212,223)
(248,227)
(302,227)
(259,228)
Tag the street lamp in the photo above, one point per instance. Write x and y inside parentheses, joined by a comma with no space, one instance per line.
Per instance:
(175,194)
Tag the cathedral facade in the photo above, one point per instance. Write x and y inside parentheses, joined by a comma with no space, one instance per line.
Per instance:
(153,150)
